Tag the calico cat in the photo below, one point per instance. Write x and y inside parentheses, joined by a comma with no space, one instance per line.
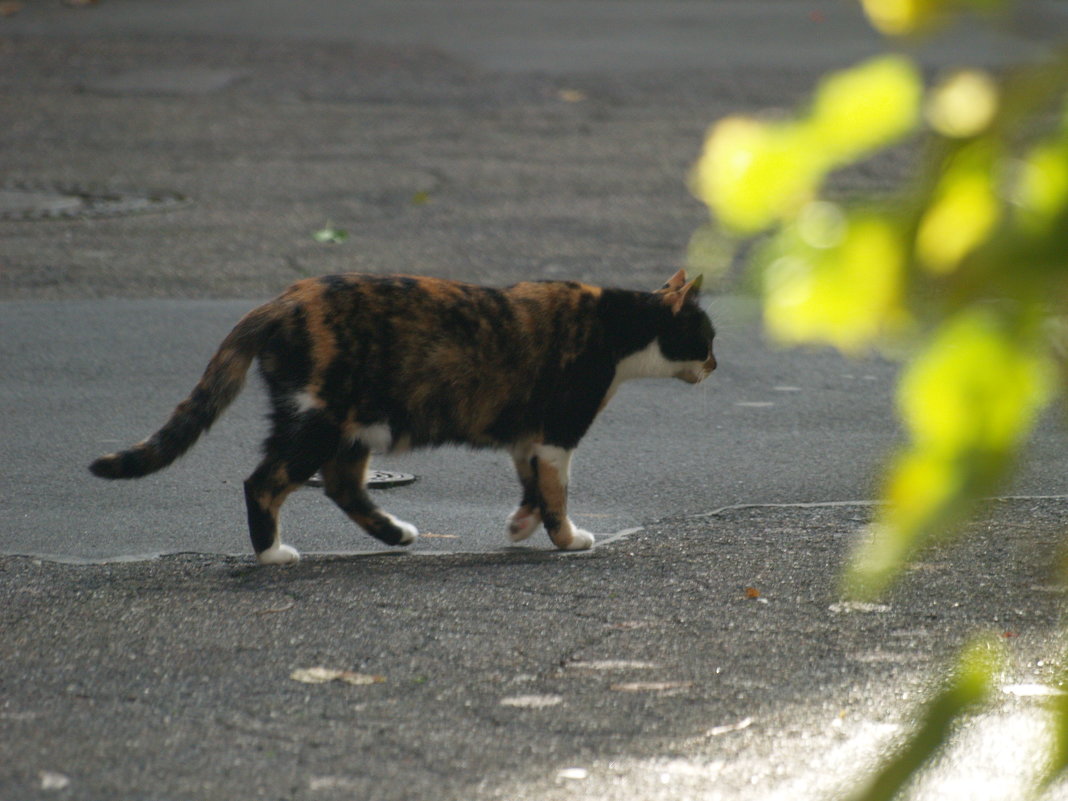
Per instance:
(361,363)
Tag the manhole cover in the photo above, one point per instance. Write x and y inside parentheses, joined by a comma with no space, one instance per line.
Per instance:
(376,479)
(21,200)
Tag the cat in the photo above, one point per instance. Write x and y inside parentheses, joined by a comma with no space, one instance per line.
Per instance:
(359,363)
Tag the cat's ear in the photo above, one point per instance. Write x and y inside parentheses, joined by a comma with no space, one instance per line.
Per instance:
(676,298)
(674,283)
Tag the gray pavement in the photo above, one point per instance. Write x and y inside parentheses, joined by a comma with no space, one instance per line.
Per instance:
(643,670)
(490,142)
(523,36)
(87,377)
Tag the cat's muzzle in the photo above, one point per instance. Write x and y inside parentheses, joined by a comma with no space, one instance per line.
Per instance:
(695,375)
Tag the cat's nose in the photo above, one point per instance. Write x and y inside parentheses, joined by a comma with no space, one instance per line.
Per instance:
(710,364)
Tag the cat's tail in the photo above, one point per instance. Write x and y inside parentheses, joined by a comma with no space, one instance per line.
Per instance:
(222,381)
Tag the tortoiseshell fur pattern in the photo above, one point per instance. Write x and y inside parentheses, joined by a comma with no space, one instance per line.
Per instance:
(355,363)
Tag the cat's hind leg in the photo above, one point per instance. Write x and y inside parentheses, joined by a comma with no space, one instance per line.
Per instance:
(525,520)
(265,492)
(552,470)
(345,482)
(294,451)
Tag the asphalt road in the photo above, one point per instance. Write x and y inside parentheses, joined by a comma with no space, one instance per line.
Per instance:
(705,655)
(522,36)
(492,142)
(644,671)
(770,426)
(86,377)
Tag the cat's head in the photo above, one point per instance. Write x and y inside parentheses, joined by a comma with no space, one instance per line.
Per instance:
(686,338)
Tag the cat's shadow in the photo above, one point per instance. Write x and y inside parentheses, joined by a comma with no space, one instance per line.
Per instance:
(318,566)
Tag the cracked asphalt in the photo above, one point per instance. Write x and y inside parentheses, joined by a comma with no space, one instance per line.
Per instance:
(705,657)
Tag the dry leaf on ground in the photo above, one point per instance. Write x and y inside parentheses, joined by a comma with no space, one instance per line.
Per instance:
(650,686)
(577,774)
(532,701)
(324,675)
(52,780)
(274,610)
(611,664)
(571,95)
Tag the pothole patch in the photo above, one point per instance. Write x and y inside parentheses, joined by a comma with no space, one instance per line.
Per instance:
(376,479)
(21,200)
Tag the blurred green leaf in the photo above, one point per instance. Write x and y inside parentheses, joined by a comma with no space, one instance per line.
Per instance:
(967,262)
(330,235)
(963,210)
(1058,754)
(979,384)
(964,104)
(969,687)
(932,261)
(835,278)
(861,109)
(1041,191)
(907,17)
(897,17)
(967,402)
(753,173)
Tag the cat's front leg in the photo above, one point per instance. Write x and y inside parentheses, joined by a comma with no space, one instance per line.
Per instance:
(552,468)
(525,520)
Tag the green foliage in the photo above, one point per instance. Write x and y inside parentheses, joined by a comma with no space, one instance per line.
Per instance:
(330,235)
(754,173)
(908,17)
(966,269)
(965,266)
(969,686)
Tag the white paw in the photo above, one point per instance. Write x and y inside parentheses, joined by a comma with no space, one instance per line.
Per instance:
(581,540)
(409,532)
(278,554)
(522,526)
